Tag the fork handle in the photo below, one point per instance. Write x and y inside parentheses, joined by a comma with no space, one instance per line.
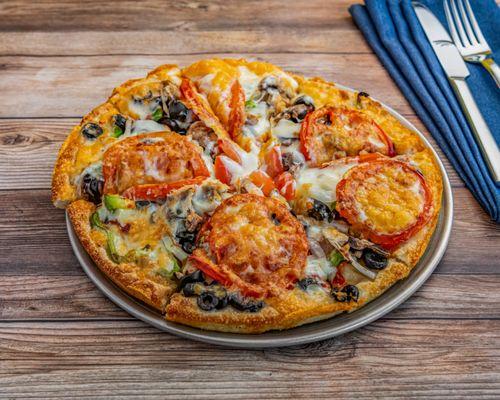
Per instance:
(484,138)
(492,67)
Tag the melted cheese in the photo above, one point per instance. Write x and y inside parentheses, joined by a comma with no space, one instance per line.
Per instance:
(142,109)
(146,125)
(248,81)
(286,129)
(261,112)
(320,268)
(320,183)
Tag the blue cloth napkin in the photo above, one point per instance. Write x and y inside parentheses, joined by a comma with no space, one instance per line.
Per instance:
(393,31)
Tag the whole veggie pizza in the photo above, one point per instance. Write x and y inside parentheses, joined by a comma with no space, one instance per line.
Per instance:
(233,196)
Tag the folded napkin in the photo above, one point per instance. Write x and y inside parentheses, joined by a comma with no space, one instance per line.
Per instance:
(393,31)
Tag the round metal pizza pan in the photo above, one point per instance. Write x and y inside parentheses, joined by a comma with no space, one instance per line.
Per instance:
(325,329)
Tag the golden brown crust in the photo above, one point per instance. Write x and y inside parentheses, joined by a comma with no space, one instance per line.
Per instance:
(126,276)
(292,308)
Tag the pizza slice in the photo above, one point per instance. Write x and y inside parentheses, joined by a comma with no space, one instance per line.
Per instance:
(162,101)
(140,242)
(364,223)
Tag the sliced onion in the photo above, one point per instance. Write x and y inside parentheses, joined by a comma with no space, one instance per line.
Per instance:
(316,249)
(172,248)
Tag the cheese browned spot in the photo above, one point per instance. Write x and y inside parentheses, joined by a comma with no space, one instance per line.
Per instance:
(257,241)
(385,198)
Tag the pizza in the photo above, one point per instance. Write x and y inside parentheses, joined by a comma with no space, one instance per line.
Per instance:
(233,196)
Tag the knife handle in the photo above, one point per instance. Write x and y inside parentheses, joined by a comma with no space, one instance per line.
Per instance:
(479,127)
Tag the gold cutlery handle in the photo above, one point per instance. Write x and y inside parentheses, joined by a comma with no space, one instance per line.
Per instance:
(479,127)
(493,68)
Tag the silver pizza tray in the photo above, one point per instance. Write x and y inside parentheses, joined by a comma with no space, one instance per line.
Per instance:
(325,329)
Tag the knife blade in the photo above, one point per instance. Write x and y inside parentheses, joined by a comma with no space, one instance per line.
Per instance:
(456,70)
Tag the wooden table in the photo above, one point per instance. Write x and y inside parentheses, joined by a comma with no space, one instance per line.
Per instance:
(59,337)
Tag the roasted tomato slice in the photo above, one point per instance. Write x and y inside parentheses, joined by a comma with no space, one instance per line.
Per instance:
(151,158)
(159,190)
(230,149)
(286,185)
(237,110)
(263,181)
(196,102)
(330,132)
(385,199)
(222,172)
(273,162)
(253,244)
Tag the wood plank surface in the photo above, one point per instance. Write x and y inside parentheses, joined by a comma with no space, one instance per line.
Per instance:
(442,359)
(61,338)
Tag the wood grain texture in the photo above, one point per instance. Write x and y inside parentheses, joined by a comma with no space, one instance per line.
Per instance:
(180,15)
(63,297)
(256,41)
(61,338)
(387,359)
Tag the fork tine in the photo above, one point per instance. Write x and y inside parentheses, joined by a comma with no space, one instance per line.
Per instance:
(475,26)
(451,24)
(465,20)
(458,24)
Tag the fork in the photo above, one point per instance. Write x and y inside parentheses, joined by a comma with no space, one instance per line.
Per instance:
(468,36)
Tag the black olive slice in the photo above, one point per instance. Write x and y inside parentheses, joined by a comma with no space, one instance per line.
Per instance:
(306,282)
(244,304)
(91,131)
(207,301)
(196,276)
(320,211)
(186,240)
(91,188)
(374,260)
(346,294)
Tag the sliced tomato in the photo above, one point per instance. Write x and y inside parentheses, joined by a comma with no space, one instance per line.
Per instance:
(159,191)
(221,171)
(332,132)
(338,281)
(286,185)
(229,148)
(271,259)
(263,181)
(199,105)
(273,162)
(362,202)
(237,110)
(151,158)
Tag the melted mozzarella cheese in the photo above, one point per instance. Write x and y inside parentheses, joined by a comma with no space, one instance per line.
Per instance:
(286,129)
(205,83)
(146,125)
(142,109)
(260,111)
(248,81)
(320,268)
(320,183)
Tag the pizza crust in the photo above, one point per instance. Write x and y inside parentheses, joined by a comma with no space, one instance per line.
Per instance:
(293,308)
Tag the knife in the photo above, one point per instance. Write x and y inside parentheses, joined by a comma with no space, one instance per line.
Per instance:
(456,71)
